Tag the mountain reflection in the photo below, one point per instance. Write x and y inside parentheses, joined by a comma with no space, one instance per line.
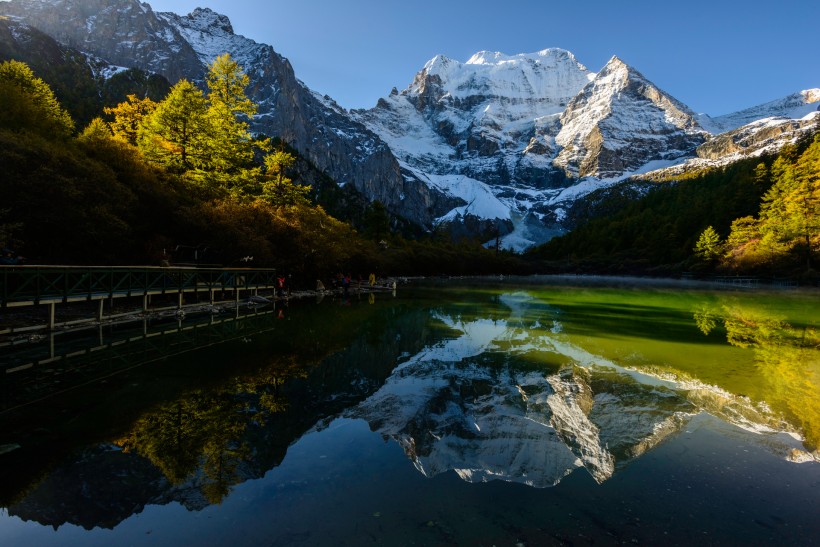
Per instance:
(194,448)
(514,399)
(510,386)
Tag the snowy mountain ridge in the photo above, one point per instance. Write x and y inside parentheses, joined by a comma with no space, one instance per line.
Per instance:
(514,140)
(499,146)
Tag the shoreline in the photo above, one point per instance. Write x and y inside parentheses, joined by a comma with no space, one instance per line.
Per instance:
(25,324)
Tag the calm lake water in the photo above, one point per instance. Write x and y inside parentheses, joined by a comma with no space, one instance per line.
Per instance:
(504,412)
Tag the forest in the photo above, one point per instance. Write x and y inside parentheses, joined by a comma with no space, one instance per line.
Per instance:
(183,176)
(148,180)
(758,216)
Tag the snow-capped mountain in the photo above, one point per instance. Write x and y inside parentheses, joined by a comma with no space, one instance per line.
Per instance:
(515,140)
(497,146)
(482,132)
(619,122)
(475,118)
(794,106)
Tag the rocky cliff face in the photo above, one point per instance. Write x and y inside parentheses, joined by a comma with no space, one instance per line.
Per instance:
(500,145)
(757,137)
(83,83)
(619,122)
(129,33)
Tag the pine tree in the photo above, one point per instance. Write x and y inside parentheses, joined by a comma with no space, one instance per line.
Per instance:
(803,202)
(376,221)
(790,214)
(229,111)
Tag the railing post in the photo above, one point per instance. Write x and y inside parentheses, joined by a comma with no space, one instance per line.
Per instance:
(51,307)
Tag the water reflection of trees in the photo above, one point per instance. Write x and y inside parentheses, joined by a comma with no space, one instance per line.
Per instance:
(209,431)
(219,436)
(786,355)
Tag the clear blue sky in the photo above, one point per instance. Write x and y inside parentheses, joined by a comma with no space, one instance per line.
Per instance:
(717,56)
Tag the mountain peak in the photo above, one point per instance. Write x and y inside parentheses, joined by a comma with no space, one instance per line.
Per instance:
(205,19)
(811,95)
(552,74)
(496,58)
(616,68)
(615,61)
(621,121)
(438,62)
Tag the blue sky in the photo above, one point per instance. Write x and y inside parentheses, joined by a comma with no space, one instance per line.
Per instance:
(716,56)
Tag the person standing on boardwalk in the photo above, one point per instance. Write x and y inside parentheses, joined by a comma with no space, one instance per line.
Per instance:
(372,279)
(280,286)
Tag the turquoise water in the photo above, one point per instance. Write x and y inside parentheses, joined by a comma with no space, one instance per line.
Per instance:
(465,413)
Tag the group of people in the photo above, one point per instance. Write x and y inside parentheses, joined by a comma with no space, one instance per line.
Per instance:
(282,285)
(345,282)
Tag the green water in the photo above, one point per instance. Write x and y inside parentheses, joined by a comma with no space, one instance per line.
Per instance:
(484,412)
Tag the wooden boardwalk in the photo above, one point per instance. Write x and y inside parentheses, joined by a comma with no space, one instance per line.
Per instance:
(51,285)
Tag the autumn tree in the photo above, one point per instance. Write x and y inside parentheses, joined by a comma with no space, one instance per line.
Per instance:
(277,189)
(230,142)
(97,130)
(790,214)
(129,116)
(173,135)
(28,103)
(708,247)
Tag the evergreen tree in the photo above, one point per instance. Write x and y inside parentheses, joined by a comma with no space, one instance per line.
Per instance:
(803,202)
(376,221)
(790,215)
(229,109)
(172,136)
(229,145)
(708,248)
(761,175)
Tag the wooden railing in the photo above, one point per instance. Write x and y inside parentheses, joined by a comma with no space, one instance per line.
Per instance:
(31,285)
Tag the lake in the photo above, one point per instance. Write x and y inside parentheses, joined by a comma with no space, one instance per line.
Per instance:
(515,411)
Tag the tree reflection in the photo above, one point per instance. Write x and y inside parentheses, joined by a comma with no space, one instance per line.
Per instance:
(208,431)
(787,356)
